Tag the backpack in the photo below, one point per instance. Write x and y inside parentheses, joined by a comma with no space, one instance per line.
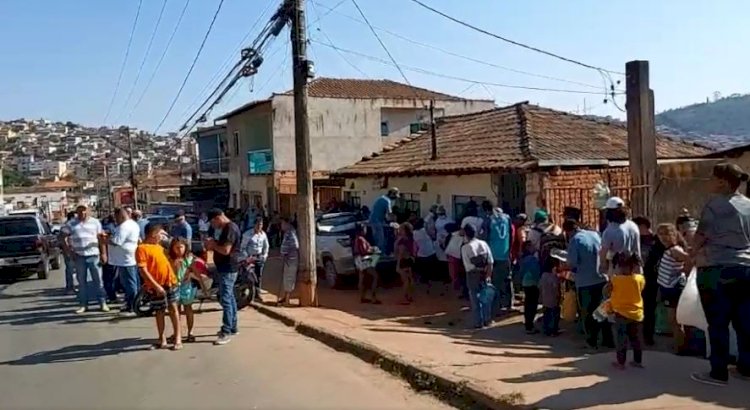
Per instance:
(549,241)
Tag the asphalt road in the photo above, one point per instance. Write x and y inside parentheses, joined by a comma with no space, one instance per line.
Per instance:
(51,358)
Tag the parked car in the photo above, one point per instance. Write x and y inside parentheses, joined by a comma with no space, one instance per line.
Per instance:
(333,247)
(28,246)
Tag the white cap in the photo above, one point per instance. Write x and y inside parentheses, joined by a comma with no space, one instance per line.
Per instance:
(614,203)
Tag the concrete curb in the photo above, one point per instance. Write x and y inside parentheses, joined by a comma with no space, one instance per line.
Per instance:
(460,394)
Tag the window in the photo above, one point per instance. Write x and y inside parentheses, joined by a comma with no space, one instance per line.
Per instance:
(384,129)
(415,127)
(459,205)
(236,137)
(406,205)
(353,199)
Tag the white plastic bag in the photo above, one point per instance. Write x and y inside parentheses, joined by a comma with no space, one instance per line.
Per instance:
(689,309)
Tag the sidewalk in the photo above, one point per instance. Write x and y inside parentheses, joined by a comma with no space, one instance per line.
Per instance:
(499,365)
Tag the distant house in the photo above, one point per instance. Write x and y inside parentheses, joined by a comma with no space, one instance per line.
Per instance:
(522,156)
(348,118)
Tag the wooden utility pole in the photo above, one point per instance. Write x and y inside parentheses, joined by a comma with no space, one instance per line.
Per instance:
(433,136)
(307,276)
(641,138)
(132,168)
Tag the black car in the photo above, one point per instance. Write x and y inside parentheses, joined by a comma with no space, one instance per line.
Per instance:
(28,246)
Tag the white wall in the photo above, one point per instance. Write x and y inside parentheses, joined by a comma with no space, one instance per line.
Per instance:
(440,189)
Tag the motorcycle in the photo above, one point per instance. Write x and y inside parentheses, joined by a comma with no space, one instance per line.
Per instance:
(244,291)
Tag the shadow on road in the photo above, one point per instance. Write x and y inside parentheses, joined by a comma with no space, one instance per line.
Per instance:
(77,353)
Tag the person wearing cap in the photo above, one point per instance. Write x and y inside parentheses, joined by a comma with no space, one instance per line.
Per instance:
(584,248)
(381,215)
(621,235)
(227,255)
(82,236)
(477,259)
(541,225)
(181,228)
(721,249)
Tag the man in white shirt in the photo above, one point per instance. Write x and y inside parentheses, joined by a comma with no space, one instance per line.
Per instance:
(121,255)
(82,237)
(478,261)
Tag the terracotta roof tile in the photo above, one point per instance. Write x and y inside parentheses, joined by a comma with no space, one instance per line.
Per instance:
(513,137)
(363,89)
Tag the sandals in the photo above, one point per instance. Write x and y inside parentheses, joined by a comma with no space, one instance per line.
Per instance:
(177,347)
(190,339)
(158,346)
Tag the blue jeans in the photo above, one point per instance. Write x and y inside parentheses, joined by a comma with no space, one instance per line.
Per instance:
(109,277)
(228,302)
(725,295)
(85,266)
(378,236)
(130,283)
(70,271)
(502,279)
(474,281)
(551,320)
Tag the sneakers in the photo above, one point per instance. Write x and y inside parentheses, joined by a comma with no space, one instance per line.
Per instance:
(81,310)
(706,378)
(222,340)
(127,314)
(105,307)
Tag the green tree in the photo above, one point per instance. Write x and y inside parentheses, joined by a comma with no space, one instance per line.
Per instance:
(12,178)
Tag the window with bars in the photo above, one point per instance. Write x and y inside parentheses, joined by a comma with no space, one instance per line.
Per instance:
(460,202)
(353,198)
(406,205)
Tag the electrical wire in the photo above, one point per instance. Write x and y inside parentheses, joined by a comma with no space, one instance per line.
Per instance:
(375,33)
(450,77)
(192,66)
(124,62)
(342,55)
(145,57)
(507,40)
(161,59)
(329,11)
(225,65)
(461,56)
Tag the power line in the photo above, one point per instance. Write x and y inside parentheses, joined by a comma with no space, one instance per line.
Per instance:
(161,59)
(225,65)
(329,11)
(464,57)
(192,66)
(320,29)
(450,77)
(507,40)
(124,62)
(145,56)
(375,33)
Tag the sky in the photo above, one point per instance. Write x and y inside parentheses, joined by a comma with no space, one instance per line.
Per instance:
(60,60)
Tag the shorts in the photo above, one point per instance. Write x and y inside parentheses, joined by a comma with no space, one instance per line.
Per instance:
(172,295)
(670,297)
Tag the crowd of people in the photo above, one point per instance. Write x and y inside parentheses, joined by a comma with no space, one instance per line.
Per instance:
(617,274)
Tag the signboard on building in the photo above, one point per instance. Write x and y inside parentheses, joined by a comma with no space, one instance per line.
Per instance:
(260,161)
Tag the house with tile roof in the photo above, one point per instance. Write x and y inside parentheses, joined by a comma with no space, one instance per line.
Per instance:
(522,156)
(348,119)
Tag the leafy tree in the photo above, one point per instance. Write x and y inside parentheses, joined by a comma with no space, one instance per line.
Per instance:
(12,178)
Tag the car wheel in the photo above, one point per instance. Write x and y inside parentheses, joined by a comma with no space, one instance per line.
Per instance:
(332,277)
(56,263)
(44,269)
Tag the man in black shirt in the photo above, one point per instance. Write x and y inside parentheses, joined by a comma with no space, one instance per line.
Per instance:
(226,251)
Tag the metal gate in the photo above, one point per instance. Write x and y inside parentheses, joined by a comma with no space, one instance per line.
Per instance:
(556,200)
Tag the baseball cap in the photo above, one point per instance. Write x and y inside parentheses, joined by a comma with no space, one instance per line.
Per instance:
(213,213)
(614,203)
(541,215)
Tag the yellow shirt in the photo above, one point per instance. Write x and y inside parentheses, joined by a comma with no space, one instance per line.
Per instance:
(153,258)
(626,297)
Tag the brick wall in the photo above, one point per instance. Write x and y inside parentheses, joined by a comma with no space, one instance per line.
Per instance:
(681,185)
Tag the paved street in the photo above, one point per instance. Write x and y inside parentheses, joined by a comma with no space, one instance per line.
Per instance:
(52,358)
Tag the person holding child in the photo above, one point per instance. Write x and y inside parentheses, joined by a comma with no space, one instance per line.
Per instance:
(626,303)
(161,282)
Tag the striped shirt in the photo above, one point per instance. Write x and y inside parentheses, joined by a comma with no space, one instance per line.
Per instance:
(84,236)
(670,269)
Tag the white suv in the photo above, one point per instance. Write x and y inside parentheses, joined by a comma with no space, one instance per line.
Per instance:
(333,245)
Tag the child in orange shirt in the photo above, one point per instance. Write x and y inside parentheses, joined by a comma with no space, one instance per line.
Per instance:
(626,303)
(161,282)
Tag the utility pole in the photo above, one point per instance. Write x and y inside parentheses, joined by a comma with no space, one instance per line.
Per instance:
(641,138)
(307,278)
(132,168)
(433,136)
(2,186)
(110,194)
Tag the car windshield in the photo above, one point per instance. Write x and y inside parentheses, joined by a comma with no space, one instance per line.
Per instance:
(18,227)
(337,220)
